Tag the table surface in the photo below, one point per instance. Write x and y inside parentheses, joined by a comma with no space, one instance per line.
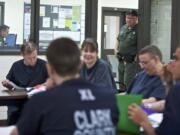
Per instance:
(7,94)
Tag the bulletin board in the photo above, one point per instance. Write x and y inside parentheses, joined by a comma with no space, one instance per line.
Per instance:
(57,21)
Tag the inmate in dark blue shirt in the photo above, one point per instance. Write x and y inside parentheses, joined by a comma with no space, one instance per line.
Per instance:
(75,107)
(100,74)
(28,76)
(171,117)
(148,86)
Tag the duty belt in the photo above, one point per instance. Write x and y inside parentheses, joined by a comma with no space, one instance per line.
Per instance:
(126,58)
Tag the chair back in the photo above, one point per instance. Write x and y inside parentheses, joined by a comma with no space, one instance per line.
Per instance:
(11,40)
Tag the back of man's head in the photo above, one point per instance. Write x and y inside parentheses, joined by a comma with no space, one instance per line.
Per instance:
(152,50)
(63,55)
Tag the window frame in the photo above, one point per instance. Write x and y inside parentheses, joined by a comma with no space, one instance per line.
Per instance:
(2,13)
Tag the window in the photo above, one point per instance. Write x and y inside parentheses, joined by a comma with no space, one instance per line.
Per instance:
(17,14)
(41,21)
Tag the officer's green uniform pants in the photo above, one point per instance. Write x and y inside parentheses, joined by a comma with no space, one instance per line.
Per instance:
(127,72)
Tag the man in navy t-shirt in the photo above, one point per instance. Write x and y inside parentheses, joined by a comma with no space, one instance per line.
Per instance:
(148,82)
(71,106)
(171,118)
(27,72)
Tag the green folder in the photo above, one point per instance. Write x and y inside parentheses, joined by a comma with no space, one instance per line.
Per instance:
(125,125)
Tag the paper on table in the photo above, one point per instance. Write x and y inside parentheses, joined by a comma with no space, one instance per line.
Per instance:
(36,89)
(155,119)
(31,93)
(6,130)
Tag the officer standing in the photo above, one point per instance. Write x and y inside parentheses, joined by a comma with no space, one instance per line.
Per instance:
(126,48)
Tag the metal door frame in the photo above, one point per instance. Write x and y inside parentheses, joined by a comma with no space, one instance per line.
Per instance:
(106,11)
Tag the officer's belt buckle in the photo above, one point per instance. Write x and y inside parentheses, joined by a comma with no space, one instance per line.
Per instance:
(124,62)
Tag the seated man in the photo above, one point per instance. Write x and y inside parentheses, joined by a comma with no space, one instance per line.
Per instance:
(171,117)
(4,31)
(167,78)
(148,82)
(26,72)
(72,106)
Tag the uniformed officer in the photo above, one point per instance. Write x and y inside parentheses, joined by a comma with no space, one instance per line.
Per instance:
(126,48)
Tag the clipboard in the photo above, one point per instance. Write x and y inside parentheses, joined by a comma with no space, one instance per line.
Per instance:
(125,125)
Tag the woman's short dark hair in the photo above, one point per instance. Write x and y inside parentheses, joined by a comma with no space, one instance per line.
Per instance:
(152,50)
(63,55)
(28,48)
(90,44)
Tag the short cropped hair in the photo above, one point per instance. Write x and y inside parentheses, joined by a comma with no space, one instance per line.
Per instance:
(63,55)
(91,44)
(132,13)
(152,50)
(28,48)
(4,27)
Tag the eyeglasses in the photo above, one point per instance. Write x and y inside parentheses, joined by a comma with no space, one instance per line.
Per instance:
(145,62)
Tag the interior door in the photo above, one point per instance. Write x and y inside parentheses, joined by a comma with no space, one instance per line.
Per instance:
(112,20)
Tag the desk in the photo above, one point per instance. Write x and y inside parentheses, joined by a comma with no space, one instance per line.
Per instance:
(12,98)
(8,98)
